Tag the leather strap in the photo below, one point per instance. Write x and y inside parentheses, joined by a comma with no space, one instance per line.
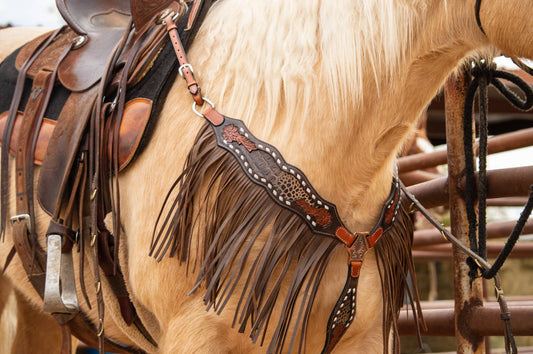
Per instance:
(185,68)
(193,14)
(15,102)
(24,236)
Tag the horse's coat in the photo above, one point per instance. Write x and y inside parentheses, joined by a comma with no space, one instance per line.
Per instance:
(336,86)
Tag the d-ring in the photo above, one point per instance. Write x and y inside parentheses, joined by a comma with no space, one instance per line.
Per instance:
(196,111)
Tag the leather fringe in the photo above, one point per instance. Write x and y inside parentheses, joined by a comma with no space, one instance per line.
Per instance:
(226,218)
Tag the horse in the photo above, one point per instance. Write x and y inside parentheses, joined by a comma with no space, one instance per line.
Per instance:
(337,87)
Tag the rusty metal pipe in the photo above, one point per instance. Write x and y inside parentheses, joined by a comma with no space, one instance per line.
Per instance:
(482,321)
(466,293)
(520,250)
(500,143)
(507,182)
(498,229)
(416,177)
(507,202)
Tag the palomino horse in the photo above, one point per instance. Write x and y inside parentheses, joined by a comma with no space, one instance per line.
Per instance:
(336,86)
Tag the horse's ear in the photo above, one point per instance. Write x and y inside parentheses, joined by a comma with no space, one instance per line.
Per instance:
(144,11)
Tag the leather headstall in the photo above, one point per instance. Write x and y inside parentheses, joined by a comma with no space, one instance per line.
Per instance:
(289,187)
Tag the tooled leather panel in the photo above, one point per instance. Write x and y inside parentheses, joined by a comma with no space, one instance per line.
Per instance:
(62,148)
(48,59)
(285,183)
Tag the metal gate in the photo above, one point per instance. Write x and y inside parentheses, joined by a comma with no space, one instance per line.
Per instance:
(473,315)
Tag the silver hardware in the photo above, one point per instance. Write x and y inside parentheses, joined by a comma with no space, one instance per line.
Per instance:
(114,103)
(180,69)
(167,13)
(79,42)
(60,286)
(19,218)
(196,111)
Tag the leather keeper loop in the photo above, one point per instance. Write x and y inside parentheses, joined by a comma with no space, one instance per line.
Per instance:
(198,98)
(69,236)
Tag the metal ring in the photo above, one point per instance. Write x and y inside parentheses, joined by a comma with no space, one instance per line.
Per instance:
(180,69)
(101,328)
(196,111)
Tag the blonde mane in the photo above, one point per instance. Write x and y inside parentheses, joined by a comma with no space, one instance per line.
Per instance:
(296,49)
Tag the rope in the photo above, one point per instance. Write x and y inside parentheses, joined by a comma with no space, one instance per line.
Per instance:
(484,75)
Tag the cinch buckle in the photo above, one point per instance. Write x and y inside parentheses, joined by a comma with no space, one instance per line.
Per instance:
(19,218)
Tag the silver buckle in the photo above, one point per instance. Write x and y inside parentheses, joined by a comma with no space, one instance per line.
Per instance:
(21,217)
(180,69)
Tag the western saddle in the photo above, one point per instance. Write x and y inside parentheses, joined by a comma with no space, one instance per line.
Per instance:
(83,97)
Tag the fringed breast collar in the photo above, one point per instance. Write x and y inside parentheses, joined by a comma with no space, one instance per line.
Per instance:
(289,188)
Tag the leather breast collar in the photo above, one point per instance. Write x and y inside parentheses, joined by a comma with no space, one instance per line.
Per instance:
(289,187)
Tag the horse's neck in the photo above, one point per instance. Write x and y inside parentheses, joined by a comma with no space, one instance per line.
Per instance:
(336,96)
